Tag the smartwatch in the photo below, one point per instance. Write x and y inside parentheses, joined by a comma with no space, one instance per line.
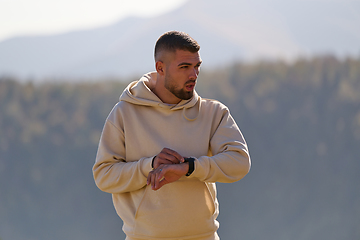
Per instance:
(190,160)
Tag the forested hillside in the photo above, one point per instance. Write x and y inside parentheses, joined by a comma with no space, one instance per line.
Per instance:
(301,122)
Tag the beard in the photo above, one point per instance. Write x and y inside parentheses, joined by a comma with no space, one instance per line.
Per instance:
(178,91)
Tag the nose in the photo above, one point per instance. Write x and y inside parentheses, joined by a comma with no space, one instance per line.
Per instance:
(194,74)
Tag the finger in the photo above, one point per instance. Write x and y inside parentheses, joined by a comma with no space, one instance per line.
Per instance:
(160,172)
(163,162)
(148,180)
(168,159)
(153,178)
(156,182)
(164,158)
(161,183)
(175,156)
(167,156)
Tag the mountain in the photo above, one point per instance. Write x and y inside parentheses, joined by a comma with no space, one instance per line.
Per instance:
(226,30)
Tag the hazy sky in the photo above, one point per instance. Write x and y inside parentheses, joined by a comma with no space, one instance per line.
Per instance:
(24,17)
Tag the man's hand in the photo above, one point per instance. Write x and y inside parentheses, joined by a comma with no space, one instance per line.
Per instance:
(167,156)
(166,173)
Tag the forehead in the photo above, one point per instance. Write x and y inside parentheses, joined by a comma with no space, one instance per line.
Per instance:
(186,57)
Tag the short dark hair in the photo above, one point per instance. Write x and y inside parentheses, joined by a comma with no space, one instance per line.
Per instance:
(175,40)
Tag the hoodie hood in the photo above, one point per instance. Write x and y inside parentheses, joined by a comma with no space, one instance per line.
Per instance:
(139,93)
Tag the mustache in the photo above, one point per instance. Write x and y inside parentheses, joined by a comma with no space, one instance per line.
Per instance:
(190,81)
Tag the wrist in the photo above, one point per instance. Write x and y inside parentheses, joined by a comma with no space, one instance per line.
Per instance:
(152,162)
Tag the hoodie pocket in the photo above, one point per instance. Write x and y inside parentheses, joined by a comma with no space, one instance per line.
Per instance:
(183,208)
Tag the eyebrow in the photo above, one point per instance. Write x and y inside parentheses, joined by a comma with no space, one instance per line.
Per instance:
(188,64)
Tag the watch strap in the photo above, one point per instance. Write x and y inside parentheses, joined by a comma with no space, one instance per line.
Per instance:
(190,160)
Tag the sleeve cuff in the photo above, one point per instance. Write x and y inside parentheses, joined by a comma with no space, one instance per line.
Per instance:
(146,166)
(199,169)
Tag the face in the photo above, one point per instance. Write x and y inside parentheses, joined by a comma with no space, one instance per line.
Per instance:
(181,73)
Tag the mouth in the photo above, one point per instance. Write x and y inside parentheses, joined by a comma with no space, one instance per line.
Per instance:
(190,86)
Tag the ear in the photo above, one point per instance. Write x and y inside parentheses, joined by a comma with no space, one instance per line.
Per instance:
(160,67)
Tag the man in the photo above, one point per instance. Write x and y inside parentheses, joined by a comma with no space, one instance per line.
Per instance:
(163,147)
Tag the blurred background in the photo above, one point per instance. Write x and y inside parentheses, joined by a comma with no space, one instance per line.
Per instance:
(288,70)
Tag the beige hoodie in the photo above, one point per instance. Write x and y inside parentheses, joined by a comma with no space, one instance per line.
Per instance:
(137,129)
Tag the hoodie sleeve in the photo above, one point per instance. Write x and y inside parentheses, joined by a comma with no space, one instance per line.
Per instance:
(111,172)
(230,160)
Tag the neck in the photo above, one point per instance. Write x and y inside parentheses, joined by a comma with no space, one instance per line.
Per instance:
(164,94)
